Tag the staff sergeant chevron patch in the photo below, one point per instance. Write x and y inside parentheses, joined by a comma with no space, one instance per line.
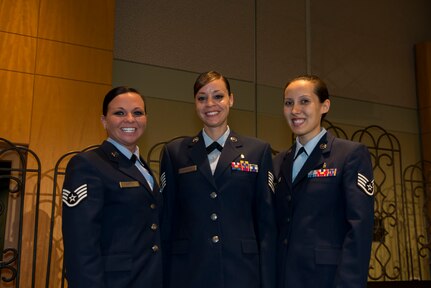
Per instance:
(271,183)
(71,199)
(366,185)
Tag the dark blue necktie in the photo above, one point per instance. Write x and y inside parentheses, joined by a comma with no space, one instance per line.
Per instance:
(300,151)
(214,146)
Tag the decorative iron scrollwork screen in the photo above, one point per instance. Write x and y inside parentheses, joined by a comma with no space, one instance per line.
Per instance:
(20,174)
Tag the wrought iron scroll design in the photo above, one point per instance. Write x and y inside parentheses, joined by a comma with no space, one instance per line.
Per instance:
(417,186)
(387,258)
(18,176)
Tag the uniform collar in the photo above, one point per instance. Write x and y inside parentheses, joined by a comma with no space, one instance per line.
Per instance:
(310,145)
(126,152)
(221,140)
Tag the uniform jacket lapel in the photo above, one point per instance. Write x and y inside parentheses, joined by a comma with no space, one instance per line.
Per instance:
(316,159)
(126,166)
(155,185)
(229,154)
(287,165)
(199,157)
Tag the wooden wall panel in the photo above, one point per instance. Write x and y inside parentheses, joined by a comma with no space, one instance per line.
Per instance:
(66,116)
(280,140)
(19,16)
(16,94)
(89,23)
(426,151)
(18,52)
(423,74)
(74,62)
(423,82)
(54,72)
(425,120)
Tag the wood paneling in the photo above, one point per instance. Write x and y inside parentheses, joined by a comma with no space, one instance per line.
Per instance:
(89,23)
(55,68)
(74,62)
(66,116)
(17,52)
(426,143)
(423,82)
(425,121)
(279,135)
(19,16)
(423,74)
(16,90)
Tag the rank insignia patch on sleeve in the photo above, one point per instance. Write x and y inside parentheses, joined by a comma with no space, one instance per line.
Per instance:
(271,183)
(72,198)
(162,182)
(366,185)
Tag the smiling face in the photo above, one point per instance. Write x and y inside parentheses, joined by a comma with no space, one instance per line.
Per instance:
(125,120)
(303,109)
(212,106)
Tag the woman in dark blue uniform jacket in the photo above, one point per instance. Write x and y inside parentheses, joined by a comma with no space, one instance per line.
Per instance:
(111,205)
(219,225)
(324,198)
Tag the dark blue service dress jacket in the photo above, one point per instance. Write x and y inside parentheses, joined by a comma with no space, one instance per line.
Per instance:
(325,216)
(110,222)
(219,230)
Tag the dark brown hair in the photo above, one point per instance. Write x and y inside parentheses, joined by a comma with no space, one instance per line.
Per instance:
(207,77)
(114,92)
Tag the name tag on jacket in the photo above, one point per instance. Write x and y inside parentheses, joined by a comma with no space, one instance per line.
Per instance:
(129,184)
(187,169)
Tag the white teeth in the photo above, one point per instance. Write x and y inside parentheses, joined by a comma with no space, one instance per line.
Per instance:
(128,130)
(298,121)
(212,113)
